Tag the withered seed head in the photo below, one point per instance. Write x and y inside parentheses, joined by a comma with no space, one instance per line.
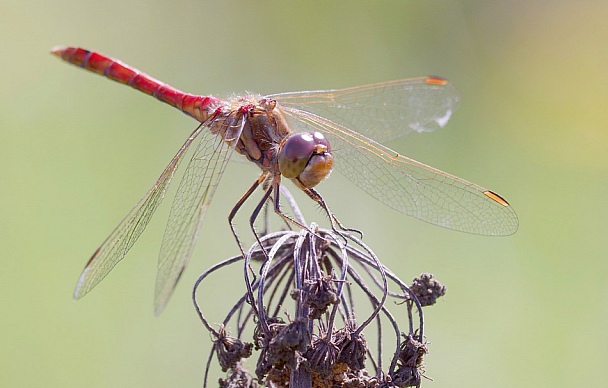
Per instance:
(291,337)
(427,289)
(281,347)
(238,378)
(411,354)
(352,347)
(261,338)
(319,295)
(230,350)
(318,340)
(321,356)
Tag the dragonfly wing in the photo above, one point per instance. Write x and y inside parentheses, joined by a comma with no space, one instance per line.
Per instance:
(382,111)
(191,202)
(122,238)
(411,187)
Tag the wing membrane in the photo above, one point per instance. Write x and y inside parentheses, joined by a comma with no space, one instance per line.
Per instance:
(411,187)
(122,238)
(382,111)
(192,200)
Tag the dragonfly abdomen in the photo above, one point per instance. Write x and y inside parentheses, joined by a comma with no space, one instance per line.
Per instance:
(199,107)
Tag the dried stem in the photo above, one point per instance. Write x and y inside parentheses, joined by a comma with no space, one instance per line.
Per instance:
(321,342)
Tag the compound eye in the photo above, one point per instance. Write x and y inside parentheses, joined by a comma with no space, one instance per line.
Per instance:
(297,151)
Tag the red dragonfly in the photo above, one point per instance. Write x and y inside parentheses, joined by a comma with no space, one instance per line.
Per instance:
(288,135)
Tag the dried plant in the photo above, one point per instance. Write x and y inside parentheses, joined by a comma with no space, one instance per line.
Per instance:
(310,295)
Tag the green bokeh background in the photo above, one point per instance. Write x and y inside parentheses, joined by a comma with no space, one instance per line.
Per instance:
(77,151)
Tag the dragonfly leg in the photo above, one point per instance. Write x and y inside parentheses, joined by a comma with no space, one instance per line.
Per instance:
(276,184)
(291,202)
(231,216)
(254,216)
(286,196)
(316,196)
(240,203)
(266,215)
(274,188)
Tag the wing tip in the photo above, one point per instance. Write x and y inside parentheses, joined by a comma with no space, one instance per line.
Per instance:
(513,225)
(160,303)
(79,291)
(164,290)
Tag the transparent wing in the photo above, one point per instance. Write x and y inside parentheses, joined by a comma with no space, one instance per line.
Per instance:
(382,111)
(411,187)
(122,238)
(191,202)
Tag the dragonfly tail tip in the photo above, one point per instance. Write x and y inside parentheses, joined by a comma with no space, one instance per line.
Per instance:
(59,50)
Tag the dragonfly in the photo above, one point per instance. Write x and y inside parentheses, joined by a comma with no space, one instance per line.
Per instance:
(301,137)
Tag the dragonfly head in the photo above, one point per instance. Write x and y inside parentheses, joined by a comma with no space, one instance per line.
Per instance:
(306,157)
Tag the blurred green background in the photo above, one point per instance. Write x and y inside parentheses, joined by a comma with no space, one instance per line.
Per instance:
(78,151)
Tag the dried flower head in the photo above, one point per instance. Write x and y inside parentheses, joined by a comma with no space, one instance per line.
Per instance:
(410,369)
(313,294)
(427,289)
(230,350)
(238,378)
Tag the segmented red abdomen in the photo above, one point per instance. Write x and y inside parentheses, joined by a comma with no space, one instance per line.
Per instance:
(199,107)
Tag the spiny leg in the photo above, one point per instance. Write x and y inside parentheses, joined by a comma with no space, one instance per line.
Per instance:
(266,225)
(291,202)
(238,206)
(316,196)
(272,188)
(231,216)
(254,216)
(276,184)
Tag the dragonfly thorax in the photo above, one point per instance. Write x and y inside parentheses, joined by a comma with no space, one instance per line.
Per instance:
(264,129)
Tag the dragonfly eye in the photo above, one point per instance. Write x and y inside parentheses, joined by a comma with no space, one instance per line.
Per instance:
(306,156)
